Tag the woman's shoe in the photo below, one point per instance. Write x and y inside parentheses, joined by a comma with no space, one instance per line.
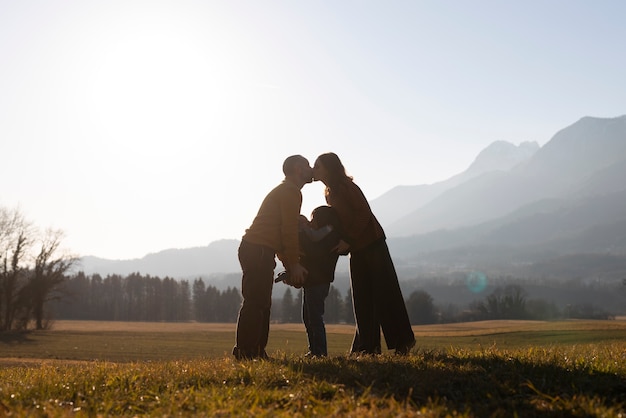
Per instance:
(405,349)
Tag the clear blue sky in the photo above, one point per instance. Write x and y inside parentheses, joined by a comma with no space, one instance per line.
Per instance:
(137,126)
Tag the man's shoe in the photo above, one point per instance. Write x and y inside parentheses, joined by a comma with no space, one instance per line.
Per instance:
(311,355)
(237,353)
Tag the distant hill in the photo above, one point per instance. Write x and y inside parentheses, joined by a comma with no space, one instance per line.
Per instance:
(551,227)
(218,257)
(403,200)
(517,210)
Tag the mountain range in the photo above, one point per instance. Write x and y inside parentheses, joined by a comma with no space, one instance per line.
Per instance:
(521,209)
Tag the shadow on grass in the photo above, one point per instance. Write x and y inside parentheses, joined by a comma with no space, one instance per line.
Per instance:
(15,337)
(484,385)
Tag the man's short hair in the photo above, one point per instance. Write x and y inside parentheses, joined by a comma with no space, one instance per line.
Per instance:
(289,166)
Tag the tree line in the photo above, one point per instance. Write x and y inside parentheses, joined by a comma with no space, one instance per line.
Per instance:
(506,301)
(134,297)
(137,297)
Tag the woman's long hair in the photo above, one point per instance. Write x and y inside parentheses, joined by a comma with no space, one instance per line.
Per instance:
(335,170)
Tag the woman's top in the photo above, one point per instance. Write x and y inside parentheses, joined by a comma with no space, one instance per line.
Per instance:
(359,226)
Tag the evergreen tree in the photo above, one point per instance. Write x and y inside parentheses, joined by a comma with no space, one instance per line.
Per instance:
(420,308)
(199,300)
(134,286)
(170,298)
(288,305)
(154,299)
(212,300)
(184,301)
(228,305)
(333,306)
(113,288)
(348,310)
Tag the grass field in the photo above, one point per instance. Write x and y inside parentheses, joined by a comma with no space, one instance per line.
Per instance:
(490,368)
(141,341)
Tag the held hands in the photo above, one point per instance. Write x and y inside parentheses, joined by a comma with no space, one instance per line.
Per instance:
(342,248)
(296,276)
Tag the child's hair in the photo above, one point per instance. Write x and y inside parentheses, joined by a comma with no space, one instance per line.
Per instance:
(325,215)
(303,221)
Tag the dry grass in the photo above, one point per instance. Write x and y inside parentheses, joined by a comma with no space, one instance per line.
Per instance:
(435,330)
(490,368)
(107,326)
(505,326)
(136,341)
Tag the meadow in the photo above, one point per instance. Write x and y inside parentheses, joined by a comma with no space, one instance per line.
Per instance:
(489,368)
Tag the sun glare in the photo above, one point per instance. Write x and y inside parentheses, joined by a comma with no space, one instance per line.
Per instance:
(152,81)
(149,84)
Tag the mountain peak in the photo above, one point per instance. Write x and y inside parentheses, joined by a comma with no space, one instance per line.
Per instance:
(594,119)
(586,145)
(502,155)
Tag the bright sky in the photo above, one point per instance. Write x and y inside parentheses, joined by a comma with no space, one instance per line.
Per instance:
(137,126)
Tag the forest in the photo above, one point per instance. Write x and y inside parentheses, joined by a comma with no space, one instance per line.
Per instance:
(137,297)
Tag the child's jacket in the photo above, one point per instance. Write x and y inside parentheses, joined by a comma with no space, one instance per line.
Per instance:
(318,257)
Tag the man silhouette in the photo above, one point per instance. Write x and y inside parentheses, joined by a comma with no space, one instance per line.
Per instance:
(274,232)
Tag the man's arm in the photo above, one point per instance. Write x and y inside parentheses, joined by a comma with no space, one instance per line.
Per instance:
(291,203)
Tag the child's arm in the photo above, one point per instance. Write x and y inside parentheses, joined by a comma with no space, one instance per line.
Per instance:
(316,235)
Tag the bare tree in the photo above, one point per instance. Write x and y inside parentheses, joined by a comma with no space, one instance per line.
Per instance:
(48,275)
(15,239)
(28,280)
(507,303)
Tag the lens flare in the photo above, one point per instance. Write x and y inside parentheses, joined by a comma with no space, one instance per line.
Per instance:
(476,281)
